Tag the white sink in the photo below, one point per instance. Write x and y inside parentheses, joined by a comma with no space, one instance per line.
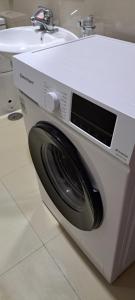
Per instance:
(22,39)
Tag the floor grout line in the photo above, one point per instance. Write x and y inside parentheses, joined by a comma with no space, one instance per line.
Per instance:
(21,211)
(51,239)
(27,219)
(20,261)
(14,170)
(69,282)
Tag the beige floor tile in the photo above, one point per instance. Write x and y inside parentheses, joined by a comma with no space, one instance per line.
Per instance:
(36,278)
(4,122)
(13,135)
(13,158)
(14,152)
(87,282)
(17,239)
(42,221)
(21,182)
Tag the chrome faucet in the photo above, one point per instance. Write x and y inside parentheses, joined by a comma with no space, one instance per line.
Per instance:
(43,17)
(87,25)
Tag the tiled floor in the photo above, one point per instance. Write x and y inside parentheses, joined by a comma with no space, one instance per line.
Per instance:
(38,261)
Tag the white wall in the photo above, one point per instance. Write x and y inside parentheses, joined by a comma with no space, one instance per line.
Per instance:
(118,16)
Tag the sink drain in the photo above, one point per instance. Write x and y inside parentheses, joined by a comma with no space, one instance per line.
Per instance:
(15,116)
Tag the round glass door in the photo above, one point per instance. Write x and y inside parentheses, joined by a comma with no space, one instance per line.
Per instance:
(64,176)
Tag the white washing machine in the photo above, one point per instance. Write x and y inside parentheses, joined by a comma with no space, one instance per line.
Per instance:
(79,109)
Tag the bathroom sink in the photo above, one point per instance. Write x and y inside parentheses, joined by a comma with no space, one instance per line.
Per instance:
(21,39)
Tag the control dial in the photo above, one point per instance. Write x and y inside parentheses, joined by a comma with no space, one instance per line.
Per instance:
(52,102)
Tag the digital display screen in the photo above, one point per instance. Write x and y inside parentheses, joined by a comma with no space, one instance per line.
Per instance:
(93,119)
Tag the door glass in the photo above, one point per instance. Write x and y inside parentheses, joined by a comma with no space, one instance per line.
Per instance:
(64,176)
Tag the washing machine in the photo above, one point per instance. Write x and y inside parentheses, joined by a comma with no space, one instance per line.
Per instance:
(79,112)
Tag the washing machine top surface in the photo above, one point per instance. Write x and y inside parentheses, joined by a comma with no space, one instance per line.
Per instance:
(99,67)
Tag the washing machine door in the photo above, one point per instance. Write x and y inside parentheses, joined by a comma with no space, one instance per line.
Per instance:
(64,176)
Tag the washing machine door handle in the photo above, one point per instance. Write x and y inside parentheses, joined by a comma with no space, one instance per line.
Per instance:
(64,176)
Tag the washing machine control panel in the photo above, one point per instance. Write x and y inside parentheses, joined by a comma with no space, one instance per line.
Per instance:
(52,101)
(97,123)
(56,99)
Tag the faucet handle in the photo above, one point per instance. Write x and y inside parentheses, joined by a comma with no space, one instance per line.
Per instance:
(46,11)
(87,22)
(44,14)
(43,17)
(87,25)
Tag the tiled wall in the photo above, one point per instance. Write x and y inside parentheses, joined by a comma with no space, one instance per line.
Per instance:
(30,5)
(117,16)
(4,4)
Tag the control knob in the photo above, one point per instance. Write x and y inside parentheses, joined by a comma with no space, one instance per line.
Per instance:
(52,102)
